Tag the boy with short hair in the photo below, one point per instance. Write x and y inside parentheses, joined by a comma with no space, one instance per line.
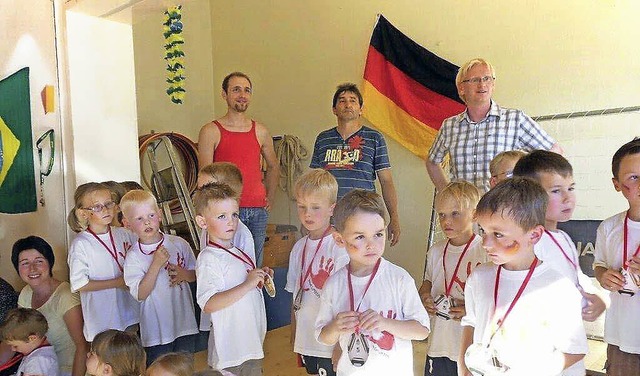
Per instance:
(555,174)
(522,316)
(25,329)
(229,285)
(155,270)
(312,260)
(449,264)
(501,166)
(617,265)
(371,307)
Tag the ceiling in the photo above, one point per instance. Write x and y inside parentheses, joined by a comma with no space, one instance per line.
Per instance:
(121,10)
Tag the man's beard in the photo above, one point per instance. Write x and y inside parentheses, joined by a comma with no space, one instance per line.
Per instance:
(241,107)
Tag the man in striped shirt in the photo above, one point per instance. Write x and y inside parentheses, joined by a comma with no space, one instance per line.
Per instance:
(485,129)
(355,154)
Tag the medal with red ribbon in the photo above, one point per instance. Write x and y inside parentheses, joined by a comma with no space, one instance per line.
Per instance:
(114,253)
(297,301)
(447,287)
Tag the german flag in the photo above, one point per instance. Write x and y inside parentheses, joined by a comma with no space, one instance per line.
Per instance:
(408,91)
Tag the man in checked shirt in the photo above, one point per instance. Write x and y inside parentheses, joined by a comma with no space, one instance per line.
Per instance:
(473,137)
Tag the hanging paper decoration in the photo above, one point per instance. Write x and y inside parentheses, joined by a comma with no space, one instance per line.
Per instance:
(174,54)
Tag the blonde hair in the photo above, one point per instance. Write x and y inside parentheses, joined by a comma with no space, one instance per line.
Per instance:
(136,197)
(76,223)
(123,351)
(224,172)
(317,181)
(462,192)
(357,201)
(511,155)
(462,72)
(20,323)
(212,192)
(177,364)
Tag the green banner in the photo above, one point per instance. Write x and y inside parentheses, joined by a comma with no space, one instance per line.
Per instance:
(17,178)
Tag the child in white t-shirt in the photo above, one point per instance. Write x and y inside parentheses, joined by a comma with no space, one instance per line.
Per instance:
(617,266)
(96,262)
(25,329)
(313,259)
(229,285)
(522,316)
(371,307)
(157,271)
(449,264)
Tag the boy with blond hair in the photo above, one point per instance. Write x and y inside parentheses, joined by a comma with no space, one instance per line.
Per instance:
(229,285)
(617,265)
(371,307)
(313,259)
(501,166)
(522,316)
(156,270)
(449,264)
(25,329)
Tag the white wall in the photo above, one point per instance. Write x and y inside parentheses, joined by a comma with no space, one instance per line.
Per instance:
(103,99)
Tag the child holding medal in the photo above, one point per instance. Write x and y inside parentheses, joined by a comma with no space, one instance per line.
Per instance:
(449,263)
(371,307)
(96,262)
(229,285)
(617,266)
(312,260)
(522,316)
(157,271)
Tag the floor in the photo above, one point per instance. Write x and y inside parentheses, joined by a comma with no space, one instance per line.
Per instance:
(281,361)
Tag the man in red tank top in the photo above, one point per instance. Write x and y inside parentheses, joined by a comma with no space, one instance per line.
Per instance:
(238,139)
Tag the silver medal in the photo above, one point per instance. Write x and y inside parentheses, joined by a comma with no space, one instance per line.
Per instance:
(358,349)
(297,301)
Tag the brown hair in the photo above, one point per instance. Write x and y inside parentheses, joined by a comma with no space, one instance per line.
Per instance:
(177,364)
(521,199)
(462,192)
(347,87)
(317,181)
(538,161)
(136,197)
(212,192)
(501,157)
(631,147)
(358,200)
(225,81)
(76,223)
(20,323)
(224,172)
(123,351)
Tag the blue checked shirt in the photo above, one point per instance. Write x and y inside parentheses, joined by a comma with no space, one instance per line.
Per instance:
(471,146)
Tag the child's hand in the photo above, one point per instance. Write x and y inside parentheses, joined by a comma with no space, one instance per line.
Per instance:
(256,277)
(345,322)
(160,257)
(427,302)
(457,312)
(595,306)
(612,280)
(371,320)
(634,265)
(177,274)
(268,270)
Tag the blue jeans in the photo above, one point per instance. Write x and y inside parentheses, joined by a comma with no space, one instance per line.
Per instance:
(256,220)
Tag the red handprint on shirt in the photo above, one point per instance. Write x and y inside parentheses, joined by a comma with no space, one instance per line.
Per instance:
(324,271)
(386,340)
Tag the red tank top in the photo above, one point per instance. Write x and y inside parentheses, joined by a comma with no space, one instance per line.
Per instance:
(243,150)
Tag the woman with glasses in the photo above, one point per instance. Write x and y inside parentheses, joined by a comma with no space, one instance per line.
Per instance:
(33,259)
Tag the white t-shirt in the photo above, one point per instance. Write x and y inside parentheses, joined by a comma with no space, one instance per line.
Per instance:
(621,328)
(393,293)
(237,332)
(545,319)
(41,361)
(446,335)
(89,260)
(168,312)
(329,259)
(549,252)
(242,240)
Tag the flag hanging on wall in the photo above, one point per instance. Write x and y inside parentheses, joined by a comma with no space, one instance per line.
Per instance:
(17,178)
(408,91)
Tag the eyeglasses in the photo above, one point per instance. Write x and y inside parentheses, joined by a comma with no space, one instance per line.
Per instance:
(476,80)
(97,208)
(507,174)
